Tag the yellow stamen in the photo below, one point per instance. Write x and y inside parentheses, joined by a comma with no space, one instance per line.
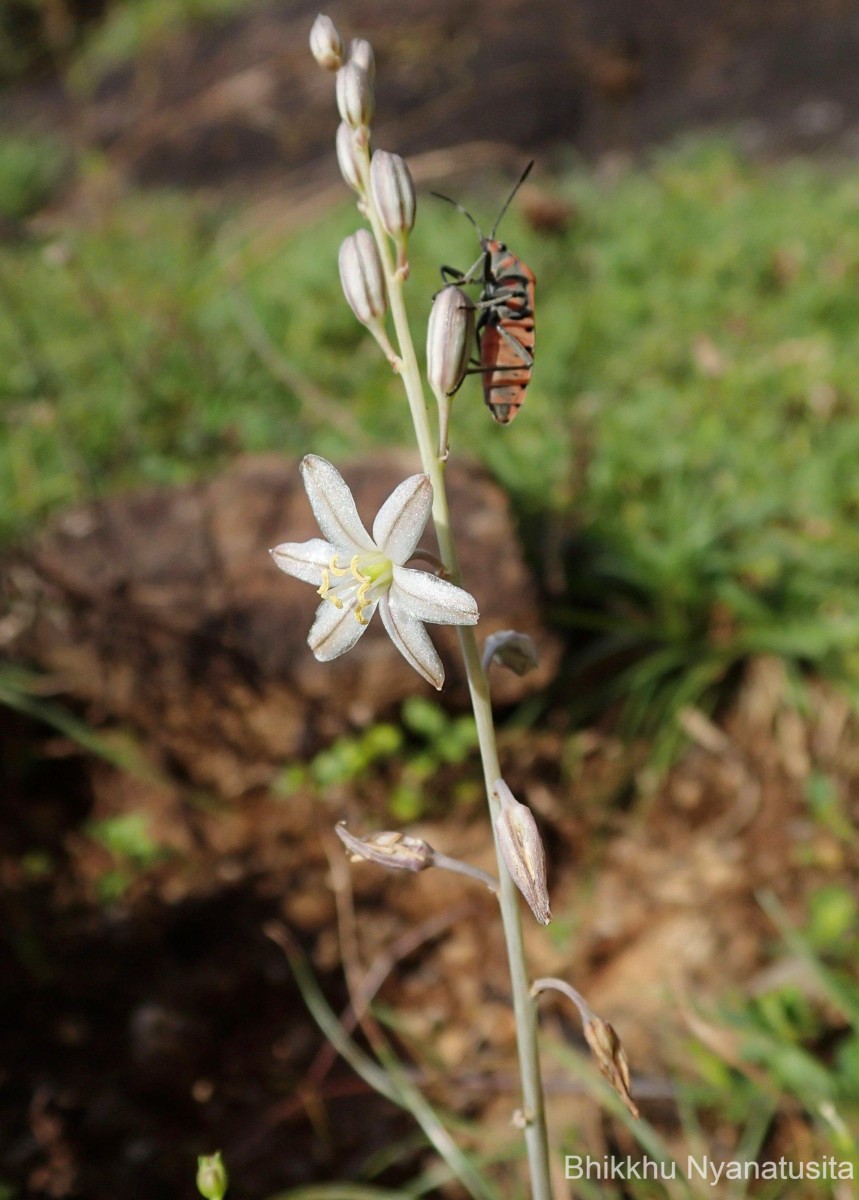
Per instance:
(362,600)
(325,588)
(365,581)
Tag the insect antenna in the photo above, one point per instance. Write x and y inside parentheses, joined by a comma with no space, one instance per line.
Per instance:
(506,204)
(464,211)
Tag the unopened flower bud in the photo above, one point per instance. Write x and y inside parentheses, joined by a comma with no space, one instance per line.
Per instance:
(610,1057)
(212,1180)
(522,851)
(326,44)
(349,156)
(605,1045)
(388,849)
(361,52)
(355,96)
(362,278)
(515,651)
(393,192)
(450,334)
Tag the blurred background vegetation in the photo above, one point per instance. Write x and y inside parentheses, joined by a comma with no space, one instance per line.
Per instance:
(689,440)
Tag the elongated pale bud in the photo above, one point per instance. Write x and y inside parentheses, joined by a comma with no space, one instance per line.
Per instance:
(212,1178)
(349,156)
(450,334)
(522,850)
(393,192)
(610,1057)
(361,52)
(326,44)
(355,96)
(362,277)
(388,849)
(515,651)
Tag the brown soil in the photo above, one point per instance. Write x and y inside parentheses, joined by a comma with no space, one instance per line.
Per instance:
(139,1033)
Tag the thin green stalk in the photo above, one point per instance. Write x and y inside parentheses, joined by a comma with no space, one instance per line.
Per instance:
(389,1080)
(536,1137)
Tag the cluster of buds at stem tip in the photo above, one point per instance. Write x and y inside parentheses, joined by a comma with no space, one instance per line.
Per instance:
(326,44)
(522,850)
(394,197)
(355,99)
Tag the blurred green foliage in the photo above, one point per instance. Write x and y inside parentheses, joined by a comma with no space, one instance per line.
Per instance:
(85,39)
(31,170)
(129,841)
(426,740)
(129,30)
(798,1041)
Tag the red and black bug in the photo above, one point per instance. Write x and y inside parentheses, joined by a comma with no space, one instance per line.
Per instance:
(505,327)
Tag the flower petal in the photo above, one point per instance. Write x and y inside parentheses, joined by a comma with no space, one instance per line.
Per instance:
(304,560)
(402,518)
(336,630)
(333,505)
(427,598)
(412,641)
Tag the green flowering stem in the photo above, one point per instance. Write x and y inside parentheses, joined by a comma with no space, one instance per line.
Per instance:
(535,1132)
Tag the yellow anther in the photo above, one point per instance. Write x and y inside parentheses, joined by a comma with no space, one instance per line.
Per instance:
(362,601)
(353,567)
(324,589)
(335,570)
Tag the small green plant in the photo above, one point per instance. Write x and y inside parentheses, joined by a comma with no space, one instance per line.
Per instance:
(414,751)
(128,839)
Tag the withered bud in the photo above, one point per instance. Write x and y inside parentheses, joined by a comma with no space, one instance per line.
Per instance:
(355,96)
(450,334)
(515,651)
(212,1180)
(389,849)
(362,278)
(393,192)
(349,156)
(361,52)
(326,44)
(522,850)
(610,1057)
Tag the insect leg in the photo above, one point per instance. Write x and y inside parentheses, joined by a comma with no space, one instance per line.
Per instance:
(453,275)
(517,347)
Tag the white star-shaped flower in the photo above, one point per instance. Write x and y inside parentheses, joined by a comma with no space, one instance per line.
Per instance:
(355,573)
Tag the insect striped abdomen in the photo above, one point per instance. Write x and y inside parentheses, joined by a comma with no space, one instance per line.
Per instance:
(506,333)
